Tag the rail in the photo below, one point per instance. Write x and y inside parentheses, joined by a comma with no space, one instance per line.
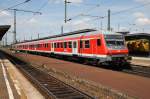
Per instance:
(49,86)
(138,70)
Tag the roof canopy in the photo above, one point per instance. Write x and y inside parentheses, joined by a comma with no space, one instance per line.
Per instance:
(3,30)
(138,36)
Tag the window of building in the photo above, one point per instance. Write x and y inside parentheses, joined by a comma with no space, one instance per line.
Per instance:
(87,44)
(98,42)
(70,44)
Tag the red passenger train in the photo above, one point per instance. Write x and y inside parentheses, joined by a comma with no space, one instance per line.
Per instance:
(88,44)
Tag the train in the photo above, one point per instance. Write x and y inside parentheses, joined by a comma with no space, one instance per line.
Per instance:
(101,47)
(138,46)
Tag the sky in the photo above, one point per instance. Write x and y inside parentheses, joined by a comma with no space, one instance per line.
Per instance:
(126,15)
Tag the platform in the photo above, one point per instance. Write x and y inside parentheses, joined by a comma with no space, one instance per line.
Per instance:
(13,84)
(7,88)
(143,61)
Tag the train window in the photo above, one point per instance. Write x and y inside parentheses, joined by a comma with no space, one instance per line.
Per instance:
(74,44)
(61,44)
(98,42)
(70,45)
(81,44)
(38,46)
(87,44)
(65,44)
(55,46)
(52,45)
(47,45)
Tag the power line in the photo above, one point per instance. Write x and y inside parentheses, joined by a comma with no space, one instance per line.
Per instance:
(132,8)
(42,6)
(20,10)
(115,13)
(15,5)
(88,10)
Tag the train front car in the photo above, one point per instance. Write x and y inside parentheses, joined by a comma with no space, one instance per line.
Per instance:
(117,52)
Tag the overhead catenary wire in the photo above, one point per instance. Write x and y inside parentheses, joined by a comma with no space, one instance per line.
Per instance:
(86,11)
(41,7)
(115,13)
(16,5)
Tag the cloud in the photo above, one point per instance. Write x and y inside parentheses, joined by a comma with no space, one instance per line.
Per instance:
(123,28)
(32,21)
(78,25)
(76,1)
(61,1)
(141,19)
(139,15)
(4,13)
(142,1)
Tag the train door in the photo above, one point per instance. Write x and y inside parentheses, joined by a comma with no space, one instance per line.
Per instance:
(75,47)
(52,47)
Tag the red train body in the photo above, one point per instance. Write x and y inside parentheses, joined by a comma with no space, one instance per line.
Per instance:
(104,47)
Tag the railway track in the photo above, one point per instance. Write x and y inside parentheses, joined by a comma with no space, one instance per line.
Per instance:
(138,70)
(49,86)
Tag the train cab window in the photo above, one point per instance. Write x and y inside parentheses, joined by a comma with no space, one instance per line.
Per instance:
(65,44)
(81,44)
(70,44)
(87,44)
(98,42)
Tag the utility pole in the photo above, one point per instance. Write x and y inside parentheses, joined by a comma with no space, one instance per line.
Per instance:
(24,38)
(109,28)
(62,29)
(38,35)
(101,25)
(6,39)
(15,40)
(66,18)
(65,11)
(20,10)
(118,27)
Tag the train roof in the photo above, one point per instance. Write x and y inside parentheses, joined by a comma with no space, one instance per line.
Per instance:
(60,35)
(73,34)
